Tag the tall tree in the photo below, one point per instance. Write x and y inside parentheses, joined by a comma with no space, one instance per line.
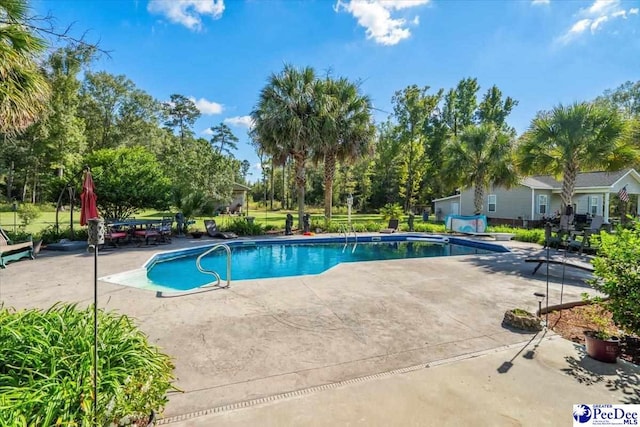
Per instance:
(569,139)
(412,108)
(287,122)
(348,130)
(24,90)
(481,155)
(460,105)
(493,109)
(182,113)
(625,98)
(224,139)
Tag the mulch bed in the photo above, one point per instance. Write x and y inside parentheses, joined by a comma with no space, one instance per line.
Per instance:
(571,324)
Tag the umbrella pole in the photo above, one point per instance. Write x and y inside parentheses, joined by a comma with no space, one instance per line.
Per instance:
(96,238)
(95,333)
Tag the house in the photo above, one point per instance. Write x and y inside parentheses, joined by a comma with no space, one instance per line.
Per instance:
(239,198)
(538,197)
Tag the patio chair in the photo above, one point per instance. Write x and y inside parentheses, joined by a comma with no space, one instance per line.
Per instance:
(392,227)
(212,231)
(10,251)
(165,229)
(115,235)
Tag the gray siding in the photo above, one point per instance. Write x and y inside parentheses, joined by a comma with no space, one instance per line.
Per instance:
(446,207)
(512,204)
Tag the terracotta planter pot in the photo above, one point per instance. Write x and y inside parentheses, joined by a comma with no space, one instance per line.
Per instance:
(603,350)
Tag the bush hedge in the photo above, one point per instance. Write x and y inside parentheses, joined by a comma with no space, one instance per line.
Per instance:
(46,365)
(617,271)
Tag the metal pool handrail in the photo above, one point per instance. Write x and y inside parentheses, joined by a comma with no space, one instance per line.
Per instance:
(213,273)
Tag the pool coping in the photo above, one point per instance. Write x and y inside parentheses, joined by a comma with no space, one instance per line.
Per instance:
(137,278)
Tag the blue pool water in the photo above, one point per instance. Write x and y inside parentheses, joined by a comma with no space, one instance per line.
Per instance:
(282,260)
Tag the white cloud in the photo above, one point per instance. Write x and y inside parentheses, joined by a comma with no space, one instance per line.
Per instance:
(603,7)
(208,108)
(244,121)
(375,16)
(634,11)
(594,17)
(187,12)
(596,23)
(207,131)
(539,2)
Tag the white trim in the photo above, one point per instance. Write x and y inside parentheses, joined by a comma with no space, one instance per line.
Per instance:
(546,205)
(446,198)
(495,203)
(533,204)
(633,172)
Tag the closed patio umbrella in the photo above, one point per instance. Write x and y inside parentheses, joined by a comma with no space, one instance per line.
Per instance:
(88,198)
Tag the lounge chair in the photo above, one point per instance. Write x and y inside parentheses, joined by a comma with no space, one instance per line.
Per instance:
(212,231)
(10,251)
(392,227)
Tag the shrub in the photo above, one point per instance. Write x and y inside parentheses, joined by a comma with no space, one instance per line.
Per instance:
(391,211)
(242,227)
(535,235)
(27,212)
(46,369)
(50,235)
(617,271)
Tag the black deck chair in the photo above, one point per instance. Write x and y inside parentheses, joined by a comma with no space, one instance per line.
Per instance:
(212,231)
(392,227)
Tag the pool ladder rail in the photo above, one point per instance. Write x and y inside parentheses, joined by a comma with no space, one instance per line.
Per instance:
(212,285)
(214,273)
(345,230)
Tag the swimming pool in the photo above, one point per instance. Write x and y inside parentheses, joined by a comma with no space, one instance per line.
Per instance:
(271,258)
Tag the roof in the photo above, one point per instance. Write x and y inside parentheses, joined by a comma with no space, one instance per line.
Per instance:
(446,198)
(240,187)
(583,180)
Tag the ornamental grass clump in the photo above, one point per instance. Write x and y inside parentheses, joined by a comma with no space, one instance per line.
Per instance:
(46,366)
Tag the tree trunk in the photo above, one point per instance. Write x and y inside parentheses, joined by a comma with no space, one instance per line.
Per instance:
(478,196)
(329,173)
(35,185)
(272,184)
(301,182)
(568,185)
(284,186)
(10,180)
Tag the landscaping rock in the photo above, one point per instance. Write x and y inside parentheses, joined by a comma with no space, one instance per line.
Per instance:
(521,319)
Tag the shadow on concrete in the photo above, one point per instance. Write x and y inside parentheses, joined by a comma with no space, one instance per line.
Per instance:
(513,264)
(530,354)
(620,376)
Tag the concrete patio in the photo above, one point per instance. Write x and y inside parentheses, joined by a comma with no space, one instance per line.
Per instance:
(266,337)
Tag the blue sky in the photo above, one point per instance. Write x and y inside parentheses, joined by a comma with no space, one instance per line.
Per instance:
(221,52)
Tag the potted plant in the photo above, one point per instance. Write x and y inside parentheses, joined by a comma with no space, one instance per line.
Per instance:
(601,343)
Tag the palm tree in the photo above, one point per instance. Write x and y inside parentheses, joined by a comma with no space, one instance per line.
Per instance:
(480,156)
(287,122)
(568,139)
(24,89)
(347,130)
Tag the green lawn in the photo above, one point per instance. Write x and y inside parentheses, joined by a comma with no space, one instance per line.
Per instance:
(275,219)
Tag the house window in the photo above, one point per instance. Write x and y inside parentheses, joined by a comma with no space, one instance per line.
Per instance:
(492,203)
(543,203)
(593,206)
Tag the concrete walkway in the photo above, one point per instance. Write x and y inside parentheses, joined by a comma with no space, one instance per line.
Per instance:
(534,384)
(265,337)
